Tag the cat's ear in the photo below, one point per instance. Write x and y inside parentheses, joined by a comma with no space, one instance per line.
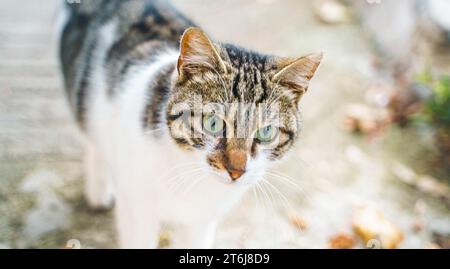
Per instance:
(296,74)
(197,52)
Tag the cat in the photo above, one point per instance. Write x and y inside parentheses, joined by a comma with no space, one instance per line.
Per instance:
(139,77)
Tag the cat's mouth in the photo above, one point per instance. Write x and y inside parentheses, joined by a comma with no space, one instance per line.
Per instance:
(221,176)
(225,178)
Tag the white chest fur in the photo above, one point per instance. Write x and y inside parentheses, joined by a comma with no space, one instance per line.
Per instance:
(152,180)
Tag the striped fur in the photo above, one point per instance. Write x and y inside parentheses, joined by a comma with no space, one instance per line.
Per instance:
(143,82)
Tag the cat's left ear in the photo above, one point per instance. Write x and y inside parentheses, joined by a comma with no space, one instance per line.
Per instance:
(296,74)
(198,52)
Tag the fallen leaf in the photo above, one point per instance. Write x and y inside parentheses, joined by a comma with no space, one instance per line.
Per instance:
(360,118)
(165,238)
(403,104)
(418,226)
(370,224)
(342,241)
(298,222)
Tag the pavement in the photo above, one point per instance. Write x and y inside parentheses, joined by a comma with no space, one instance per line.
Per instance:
(41,199)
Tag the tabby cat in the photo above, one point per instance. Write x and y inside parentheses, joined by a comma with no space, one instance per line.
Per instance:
(178,127)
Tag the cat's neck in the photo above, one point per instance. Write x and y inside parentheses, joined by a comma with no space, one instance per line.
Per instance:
(158,90)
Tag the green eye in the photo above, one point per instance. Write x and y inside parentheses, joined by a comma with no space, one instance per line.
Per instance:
(266,134)
(213,124)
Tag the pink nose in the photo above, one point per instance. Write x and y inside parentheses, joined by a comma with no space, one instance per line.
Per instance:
(236,163)
(235,174)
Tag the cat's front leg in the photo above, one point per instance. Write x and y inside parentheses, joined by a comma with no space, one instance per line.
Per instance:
(137,223)
(195,236)
(99,188)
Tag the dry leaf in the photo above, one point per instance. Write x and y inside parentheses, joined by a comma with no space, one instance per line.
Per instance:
(365,119)
(299,222)
(164,238)
(418,226)
(370,224)
(342,241)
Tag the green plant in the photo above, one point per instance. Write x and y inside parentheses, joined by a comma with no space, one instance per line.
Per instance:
(436,110)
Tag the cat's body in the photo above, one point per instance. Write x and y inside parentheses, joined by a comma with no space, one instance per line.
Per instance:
(124,74)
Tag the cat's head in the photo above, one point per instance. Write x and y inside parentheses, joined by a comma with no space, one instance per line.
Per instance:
(238,108)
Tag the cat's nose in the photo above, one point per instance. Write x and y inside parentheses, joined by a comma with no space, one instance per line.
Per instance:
(235,174)
(236,163)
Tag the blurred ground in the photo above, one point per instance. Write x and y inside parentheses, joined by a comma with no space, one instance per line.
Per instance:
(41,202)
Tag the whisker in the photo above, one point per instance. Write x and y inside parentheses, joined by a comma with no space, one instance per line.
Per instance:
(284,179)
(289,209)
(281,176)
(178,181)
(280,194)
(172,169)
(271,199)
(311,171)
(193,185)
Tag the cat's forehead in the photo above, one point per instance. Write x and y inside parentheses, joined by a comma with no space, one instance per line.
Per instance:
(248,80)
(249,61)
(250,77)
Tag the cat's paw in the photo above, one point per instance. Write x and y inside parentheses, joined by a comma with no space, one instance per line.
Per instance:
(100,202)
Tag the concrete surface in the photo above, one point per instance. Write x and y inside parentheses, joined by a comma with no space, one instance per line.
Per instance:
(41,201)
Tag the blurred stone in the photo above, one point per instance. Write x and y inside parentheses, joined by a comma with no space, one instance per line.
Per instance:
(332,12)
(432,246)
(420,207)
(441,239)
(404,173)
(355,155)
(391,24)
(50,214)
(432,186)
(41,181)
(437,11)
(379,94)
(418,34)
(424,183)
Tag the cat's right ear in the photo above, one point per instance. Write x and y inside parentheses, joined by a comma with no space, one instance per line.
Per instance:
(297,73)
(197,52)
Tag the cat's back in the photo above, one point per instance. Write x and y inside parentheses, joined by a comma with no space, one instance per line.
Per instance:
(116,31)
